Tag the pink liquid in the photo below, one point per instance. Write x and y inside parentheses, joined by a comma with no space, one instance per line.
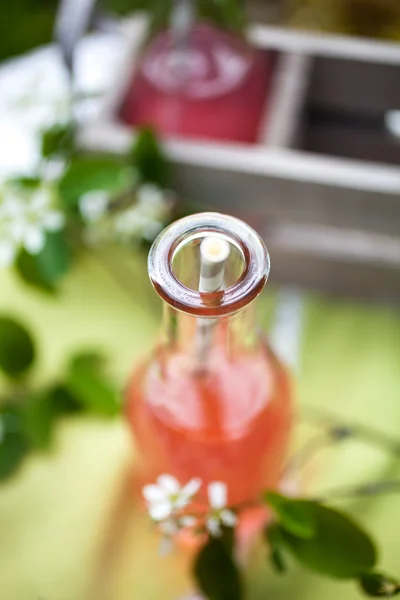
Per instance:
(229,424)
(215,88)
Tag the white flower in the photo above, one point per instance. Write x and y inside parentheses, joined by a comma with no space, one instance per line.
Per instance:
(26,214)
(151,198)
(146,218)
(93,205)
(53,169)
(132,223)
(167,496)
(143,219)
(170,527)
(219,514)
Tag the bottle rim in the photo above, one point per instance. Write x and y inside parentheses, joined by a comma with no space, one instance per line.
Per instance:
(209,304)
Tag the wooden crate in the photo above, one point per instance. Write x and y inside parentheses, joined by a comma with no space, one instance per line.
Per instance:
(322,183)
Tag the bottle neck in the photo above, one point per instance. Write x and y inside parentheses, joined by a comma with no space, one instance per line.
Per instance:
(202,339)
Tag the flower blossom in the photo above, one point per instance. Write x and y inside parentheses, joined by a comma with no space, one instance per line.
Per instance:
(27,213)
(219,514)
(167,496)
(93,205)
(144,218)
(170,527)
(167,499)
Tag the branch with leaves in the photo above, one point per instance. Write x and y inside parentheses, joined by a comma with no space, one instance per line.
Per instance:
(322,539)
(29,414)
(77,200)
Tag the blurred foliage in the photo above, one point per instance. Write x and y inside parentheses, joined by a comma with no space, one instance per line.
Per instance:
(86,173)
(379,585)
(149,160)
(17,349)
(296,518)
(372,18)
(124,7)
(324,540)
(216,572)
(227,13)
(29,23)
(58,141)
(14,444)
(120,178)
(85,383)
(274,540)
(25,24)
(338,547)
(45,269)
(30,414)
(369,18)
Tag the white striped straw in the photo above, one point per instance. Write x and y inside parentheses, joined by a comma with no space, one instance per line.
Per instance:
(214,252)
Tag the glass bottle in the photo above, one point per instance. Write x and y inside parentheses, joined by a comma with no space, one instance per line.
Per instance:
(212,401)
(198,81)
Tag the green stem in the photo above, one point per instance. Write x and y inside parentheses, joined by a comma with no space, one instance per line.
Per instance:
(340,430)
(374,488)
(307,452)
(122,200)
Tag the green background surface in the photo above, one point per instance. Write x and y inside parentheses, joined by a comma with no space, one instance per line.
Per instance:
(69,527)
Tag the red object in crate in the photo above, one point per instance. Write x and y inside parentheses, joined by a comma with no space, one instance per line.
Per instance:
(215,86)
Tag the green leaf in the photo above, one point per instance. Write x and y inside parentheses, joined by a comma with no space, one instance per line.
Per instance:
(149,159)
(87,174)
(228,539)
(88,360)
(13,450)
(160,13)
(13,443)
(91,389)
(64,402)
(95,394)
(42,411)
(27,183)
(277,561)
(44,270)
(216,572)
(295,515)
(88,385)
(233,14)
(379,585)
(28,270)
(17,350)
(339,547)
(125,6)
(274,538)
(229,14)
(58,140)
(39,417)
